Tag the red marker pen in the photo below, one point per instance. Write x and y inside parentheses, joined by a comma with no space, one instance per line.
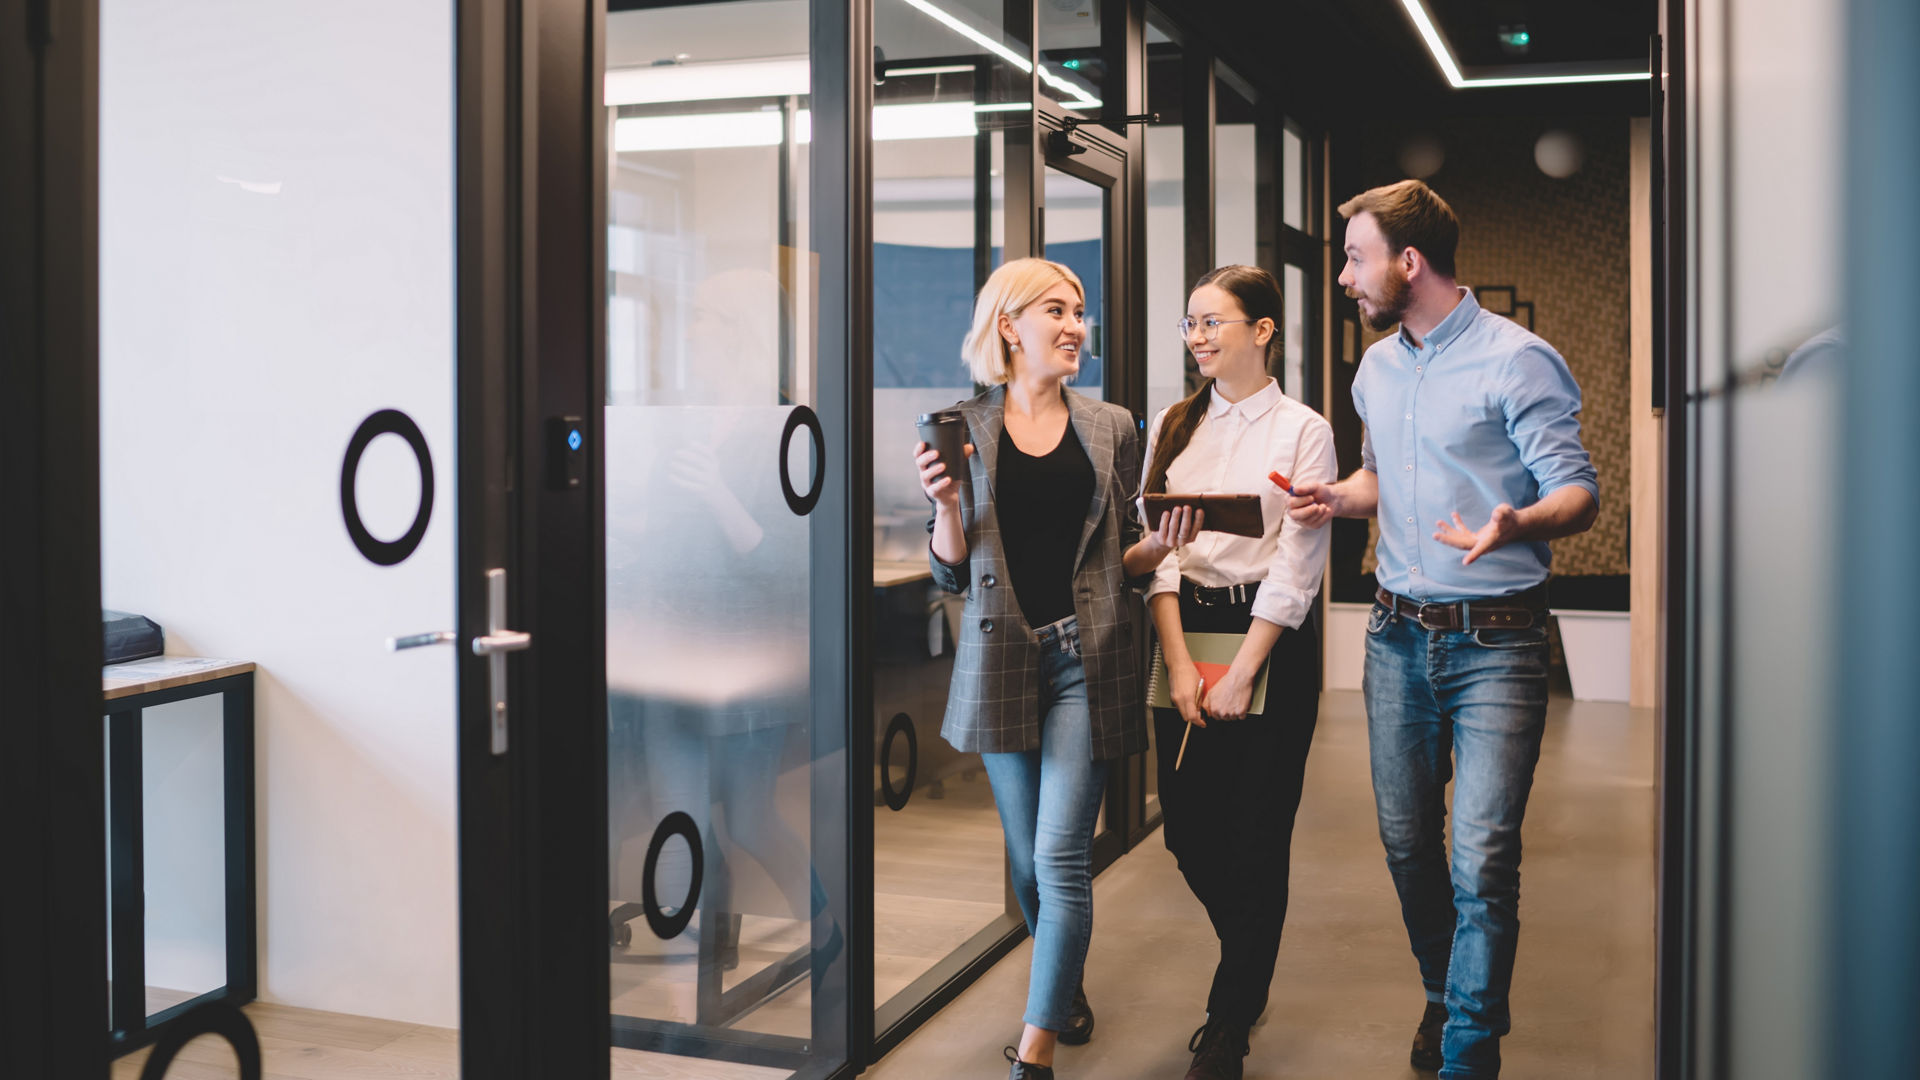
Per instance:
(1281,482)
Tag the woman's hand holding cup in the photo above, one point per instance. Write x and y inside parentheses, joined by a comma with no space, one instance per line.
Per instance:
(944,490)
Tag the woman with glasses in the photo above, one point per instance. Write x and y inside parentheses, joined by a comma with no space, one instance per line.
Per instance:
(1229,803)
(1046,680)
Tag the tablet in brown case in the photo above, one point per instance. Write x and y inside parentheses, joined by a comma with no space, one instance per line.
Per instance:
(1236,514)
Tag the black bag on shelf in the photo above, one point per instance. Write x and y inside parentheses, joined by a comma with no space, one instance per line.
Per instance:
(131,637)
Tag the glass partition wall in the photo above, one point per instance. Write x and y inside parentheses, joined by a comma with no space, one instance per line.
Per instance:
(719,929)
(722,824)
(1170,372)
(948,100)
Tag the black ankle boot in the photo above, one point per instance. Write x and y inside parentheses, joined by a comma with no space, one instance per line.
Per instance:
(1079,1027)
(1026,1070)
(1426,1040)
(1218,1049)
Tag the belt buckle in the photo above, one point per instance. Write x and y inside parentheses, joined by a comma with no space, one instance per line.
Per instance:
(1200,595)
(1421,616)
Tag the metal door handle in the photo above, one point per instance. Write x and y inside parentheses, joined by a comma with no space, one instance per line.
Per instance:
(414,641)
(505,641)
(495,644)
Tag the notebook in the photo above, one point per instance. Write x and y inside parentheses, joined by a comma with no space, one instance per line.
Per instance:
(1212,655)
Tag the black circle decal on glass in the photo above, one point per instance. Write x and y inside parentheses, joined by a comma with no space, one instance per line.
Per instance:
(385,422)
(665,926)
(901,724)
(803,504)
(212,1018)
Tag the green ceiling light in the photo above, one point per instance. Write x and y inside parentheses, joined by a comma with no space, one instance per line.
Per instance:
(1071,65)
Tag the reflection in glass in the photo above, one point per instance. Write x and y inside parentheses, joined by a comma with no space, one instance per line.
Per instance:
(707,610)
(709,597)
(1070,52)
(1076,238)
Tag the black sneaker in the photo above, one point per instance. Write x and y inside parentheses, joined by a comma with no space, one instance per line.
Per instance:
(1426,1040)
(1079,1027)
(1026,1070)
(1218,1048)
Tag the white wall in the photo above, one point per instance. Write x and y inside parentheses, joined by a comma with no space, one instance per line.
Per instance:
(182,815)
(277,263)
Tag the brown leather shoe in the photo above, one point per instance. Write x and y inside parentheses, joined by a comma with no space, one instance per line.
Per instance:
(1426,1040)
(1218,1049)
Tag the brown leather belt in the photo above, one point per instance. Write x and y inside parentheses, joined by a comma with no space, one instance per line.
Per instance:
(1514,612)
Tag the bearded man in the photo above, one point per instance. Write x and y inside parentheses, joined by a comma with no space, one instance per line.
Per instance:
(1472,431)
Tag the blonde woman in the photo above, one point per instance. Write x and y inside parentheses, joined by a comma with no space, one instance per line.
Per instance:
(1046,683)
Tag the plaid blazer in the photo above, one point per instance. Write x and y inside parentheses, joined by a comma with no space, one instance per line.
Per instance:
(993,705)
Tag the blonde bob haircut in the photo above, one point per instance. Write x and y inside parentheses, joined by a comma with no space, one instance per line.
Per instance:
(1009,291)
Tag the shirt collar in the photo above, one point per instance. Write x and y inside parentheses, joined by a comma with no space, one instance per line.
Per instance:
(1451,326)
(1252,407)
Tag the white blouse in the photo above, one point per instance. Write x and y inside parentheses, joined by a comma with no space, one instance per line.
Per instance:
(1236,445)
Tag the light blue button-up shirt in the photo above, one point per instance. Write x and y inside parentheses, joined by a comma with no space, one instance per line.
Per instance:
(1482,413)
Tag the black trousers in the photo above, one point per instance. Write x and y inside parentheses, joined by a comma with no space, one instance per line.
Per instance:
(1229,808)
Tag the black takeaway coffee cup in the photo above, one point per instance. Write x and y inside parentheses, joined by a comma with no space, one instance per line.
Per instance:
(946,431)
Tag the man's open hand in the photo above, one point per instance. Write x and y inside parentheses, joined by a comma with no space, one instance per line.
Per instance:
(1502,529)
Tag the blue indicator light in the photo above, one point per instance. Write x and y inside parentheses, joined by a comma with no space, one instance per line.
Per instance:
(573,439)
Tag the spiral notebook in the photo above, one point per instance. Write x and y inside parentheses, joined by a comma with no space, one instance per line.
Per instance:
(1212,655)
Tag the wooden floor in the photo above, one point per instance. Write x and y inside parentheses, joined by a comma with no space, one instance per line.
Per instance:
(303,1044)
(1345,998)
(1346,995)
(939,877)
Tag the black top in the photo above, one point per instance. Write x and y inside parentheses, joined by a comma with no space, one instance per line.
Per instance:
(1042,504)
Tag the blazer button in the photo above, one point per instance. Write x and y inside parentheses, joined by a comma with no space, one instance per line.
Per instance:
(986,626)
(989,580)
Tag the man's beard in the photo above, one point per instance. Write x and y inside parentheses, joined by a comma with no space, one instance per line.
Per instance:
(1391,306)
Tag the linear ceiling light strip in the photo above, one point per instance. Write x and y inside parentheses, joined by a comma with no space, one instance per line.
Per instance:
(1081,98)
(1442,56)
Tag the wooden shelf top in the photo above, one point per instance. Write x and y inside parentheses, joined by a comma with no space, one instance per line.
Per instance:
(165,673)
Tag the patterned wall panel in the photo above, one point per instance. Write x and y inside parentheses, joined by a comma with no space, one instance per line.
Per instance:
(1563,246)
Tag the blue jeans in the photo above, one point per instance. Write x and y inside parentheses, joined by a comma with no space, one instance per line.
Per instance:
(1049,800)
(1469,706)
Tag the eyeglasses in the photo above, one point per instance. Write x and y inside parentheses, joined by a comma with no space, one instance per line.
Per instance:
(1211,324)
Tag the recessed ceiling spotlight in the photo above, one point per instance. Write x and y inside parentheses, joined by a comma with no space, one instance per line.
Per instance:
(1559,154)
(1514,39)
(1422,156)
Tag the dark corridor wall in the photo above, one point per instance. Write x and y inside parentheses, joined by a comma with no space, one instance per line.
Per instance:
(1563,246)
